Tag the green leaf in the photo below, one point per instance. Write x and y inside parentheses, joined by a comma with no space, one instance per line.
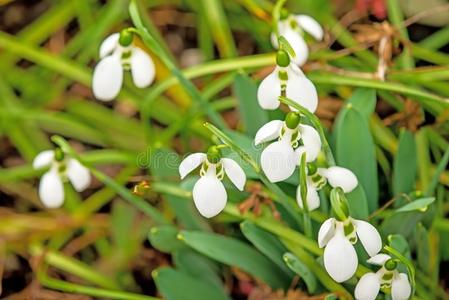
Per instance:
(355,150)
(266,243)
(358,204)
(364,100)
(253,116)
(404,165)
(302,270)
(398,242)
(423,245)
(176,285)
(418,204)
(164,239)
(233,252)
(198,266)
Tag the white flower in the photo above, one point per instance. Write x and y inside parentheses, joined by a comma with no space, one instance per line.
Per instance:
(279,159)
(292,29)
(209,194)
(115,58)
(335,176)
(386,277)
(296,85)
(51,188)
(338,237)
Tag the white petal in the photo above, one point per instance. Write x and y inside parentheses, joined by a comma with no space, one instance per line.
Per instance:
(43,159)
(269,90)
(313,199)
(51,189)
(282,27)
(368,287)
(299,46)
(278,160)
(311,26)
(369,236)
(294,70)
(107,78)
(303,91)
(400,287)
(379,259)
(209,196)
(109,44)
(340,177)
(78,175)
(234,172)
(340,258)
(190,163)
(269,131)
(142,68)
(312,143)
(326,232)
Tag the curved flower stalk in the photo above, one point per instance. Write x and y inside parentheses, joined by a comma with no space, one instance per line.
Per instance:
(62,169)
(118,54)
(387,279)
(317,178)
(209,194)
(338,235)
(287,79)
(292,28)
(279,159)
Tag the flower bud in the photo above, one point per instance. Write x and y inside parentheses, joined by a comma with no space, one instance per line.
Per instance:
(59,154)
(282,58)
(126,37)
(390,265)
(292,120)
(339,204)
(213,154)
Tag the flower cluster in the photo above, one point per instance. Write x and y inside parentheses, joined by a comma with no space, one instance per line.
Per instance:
(289,143)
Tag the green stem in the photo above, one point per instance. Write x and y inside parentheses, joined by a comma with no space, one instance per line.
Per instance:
(75,267)
(69,287)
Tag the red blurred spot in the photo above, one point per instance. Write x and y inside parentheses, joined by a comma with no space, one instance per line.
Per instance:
(376,7)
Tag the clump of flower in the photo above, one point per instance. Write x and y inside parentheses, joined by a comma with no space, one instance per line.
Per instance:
(61,169)
(119,54)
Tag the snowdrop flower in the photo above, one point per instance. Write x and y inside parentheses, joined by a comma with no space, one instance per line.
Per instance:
(317,178)
(288,80)
(387,277)
(339,234)
(292,28)
(209,194)
(62,169)
(118,54)
(279,159)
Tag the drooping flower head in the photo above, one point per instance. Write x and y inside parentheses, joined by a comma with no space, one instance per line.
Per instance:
(288,80)
(317,178)
(280,158)
(387,279)
(338,235)
(209,193)
(61,169)
(118,54)
(292,28)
